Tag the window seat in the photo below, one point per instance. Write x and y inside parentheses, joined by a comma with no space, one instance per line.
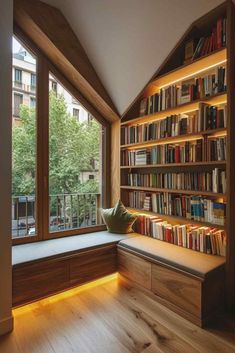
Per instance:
(43,250)
(193,262)
(188,282)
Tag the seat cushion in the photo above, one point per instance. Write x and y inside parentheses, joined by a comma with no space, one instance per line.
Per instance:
(190,261)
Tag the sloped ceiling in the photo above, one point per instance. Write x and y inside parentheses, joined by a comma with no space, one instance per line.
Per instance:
(127,40)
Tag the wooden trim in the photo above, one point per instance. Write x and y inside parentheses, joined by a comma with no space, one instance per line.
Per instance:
(230,266)
(69,232)
(115,162)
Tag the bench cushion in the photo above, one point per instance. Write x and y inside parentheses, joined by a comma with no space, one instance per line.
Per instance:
(42,250)
(190,261)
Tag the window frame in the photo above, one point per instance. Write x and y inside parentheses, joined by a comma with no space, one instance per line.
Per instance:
(44,68)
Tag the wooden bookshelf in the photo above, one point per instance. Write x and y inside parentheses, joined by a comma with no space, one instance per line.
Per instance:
(181,165)
(179,138)
(220,98)
(174,191)
(175,219)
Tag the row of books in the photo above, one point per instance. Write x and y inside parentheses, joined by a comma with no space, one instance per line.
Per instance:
(211,181)
(207,149)
(188,91)
(195,208)
(203,239)
(215,41)
(206,118)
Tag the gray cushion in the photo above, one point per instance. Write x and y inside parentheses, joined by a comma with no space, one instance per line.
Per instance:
(194,262)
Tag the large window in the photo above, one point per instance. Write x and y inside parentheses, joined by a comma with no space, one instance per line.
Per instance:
(73,144)
(24,141)
(57,147)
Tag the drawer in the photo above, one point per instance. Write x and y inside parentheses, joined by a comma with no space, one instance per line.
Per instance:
(135,268)
(93,264)
(178,289)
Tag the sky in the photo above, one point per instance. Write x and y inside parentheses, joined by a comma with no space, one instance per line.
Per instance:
(15,45)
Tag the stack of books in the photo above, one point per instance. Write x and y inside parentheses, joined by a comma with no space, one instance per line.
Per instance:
(211,181)
(185,92)
(204,239)
(195,208)
(207,149)
(206,118)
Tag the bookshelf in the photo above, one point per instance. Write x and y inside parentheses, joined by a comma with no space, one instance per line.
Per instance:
(174,72)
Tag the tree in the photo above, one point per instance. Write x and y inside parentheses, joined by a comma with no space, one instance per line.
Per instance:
(72,147)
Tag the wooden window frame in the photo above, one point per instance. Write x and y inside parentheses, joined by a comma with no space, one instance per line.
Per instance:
(44,68)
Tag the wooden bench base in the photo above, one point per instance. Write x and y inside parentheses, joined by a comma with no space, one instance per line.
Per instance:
(35,280)
(194,298)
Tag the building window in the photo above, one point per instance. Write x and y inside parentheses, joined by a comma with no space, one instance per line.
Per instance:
(33,82)
(18,75)
(91,177)
(32,102)
(54,86)
(76,113)
(90,118)
(18,100)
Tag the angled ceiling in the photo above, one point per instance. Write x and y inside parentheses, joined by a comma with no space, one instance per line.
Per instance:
(127,40)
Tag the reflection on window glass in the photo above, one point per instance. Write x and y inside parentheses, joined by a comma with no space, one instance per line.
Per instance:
(74,162)
(23,142)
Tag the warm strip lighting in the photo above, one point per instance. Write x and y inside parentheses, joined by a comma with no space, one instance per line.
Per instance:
(193,74)
(64,295)
(168,141)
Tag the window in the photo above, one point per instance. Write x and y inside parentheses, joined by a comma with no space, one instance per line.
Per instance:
(76,113)
(24,145)
(33,82)
(32,102)
(54,86)
(52,149)
(18,75)
(74,198)
(18,100)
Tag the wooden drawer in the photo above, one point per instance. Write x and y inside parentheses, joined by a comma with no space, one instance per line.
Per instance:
(178,289)
(37,280)
(93,264)
(135,268)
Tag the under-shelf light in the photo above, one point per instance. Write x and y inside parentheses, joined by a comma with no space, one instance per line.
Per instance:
(192,74)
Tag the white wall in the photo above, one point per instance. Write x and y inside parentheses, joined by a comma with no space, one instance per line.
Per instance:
(6,26)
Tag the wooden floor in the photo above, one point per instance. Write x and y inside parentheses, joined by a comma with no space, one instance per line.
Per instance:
(111,318)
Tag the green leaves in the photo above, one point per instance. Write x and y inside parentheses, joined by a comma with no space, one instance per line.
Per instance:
(73,146)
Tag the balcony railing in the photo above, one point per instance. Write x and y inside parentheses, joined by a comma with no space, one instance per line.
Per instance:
(22,86)
(67,211)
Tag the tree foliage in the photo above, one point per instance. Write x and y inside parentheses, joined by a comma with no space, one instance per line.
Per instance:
(72,148)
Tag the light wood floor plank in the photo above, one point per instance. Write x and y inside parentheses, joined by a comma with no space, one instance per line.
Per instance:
(111,318)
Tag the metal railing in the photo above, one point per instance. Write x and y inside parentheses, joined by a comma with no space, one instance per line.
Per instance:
(22,86)
(67,211)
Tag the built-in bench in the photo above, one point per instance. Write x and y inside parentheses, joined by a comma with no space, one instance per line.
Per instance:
(46,267)
(186,281)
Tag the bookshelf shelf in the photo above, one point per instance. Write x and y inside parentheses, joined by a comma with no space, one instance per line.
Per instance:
(174,191)
(197,66)
(179,138)
(220,98)
(174,165)
(176,219)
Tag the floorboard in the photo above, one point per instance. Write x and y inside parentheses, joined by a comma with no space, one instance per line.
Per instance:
(111,317)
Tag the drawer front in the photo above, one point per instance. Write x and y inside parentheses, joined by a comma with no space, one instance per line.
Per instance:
(178,289)
(34,281)
(93,264)
(134,268)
